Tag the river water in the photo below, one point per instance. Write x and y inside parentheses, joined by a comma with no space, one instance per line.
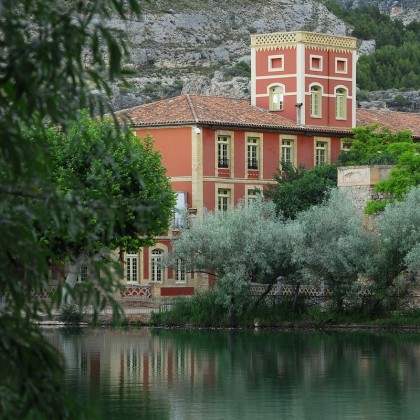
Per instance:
(230,374)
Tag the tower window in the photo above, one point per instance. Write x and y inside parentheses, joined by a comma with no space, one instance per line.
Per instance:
(316,96)
(276,94)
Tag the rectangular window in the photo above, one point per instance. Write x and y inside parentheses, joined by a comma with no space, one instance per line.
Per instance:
(340,104)
(316,62)
(252,194)
(156,263)
(180,211)
(180,271)
(132,267)
(320,153)
(287,151)
(341,65)
(252,152)
(83,272)
(223,153)
(223,199)
(276,63)
(345,145)
(316,102)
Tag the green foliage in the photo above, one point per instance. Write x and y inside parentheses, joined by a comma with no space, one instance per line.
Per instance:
(371,146)
(203,309)
(330,246)
(404,175)
(298,189)
(45,78)
(240,69)
(396,244)
(373,207)
(237,246)
(396,61)
(70,314)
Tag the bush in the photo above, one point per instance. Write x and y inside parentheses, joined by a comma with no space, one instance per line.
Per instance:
(70,314)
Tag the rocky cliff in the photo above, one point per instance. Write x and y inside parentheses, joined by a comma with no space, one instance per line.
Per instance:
(202,46)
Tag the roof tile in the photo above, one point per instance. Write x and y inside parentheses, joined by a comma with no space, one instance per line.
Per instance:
(198,109)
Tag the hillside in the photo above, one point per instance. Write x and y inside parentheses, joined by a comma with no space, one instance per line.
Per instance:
(406,10)
(202,46)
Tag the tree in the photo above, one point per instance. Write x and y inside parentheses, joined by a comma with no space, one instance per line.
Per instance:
(398,243)
(370,147)
(298,189)
(329,245)
(97,163)
(240,246)
(44,76)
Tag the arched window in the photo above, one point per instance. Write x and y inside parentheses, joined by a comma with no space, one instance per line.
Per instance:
(156,265)
(341,104)
(316,95)
(276,97)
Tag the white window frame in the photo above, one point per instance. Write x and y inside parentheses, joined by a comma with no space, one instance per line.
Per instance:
(221,191)
(344,144)
(316,101)
(157,271)
(223,151)
(276,97)
(341,60)
(291,144)
(132,265)
(180,271)
(179,211)
(84,272)
(253,152)
(322,144)
(252,192)
(341,94)
(321,63)
(271,58)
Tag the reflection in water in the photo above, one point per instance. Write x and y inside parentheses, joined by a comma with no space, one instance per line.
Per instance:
(202,374)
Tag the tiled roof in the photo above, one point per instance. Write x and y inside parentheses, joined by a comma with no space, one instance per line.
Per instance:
(390,119)
(210,110)
(227,112)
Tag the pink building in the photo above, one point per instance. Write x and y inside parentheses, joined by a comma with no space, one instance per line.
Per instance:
(218,151)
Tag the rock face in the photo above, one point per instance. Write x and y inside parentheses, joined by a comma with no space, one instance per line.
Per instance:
(392,99)
(406,10)
(203,46)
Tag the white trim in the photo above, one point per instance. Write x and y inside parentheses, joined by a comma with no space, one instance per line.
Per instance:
(136,257)
(270,63)
(253,76)
(293,147)
(280,76)
(265,95)
(327,141)
(353,91)
(300,80)
(321,62)
(342,79)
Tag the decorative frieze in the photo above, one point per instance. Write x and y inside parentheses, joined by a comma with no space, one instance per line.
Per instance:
(291,39)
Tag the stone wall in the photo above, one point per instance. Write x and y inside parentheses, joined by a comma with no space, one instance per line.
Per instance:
(360,182)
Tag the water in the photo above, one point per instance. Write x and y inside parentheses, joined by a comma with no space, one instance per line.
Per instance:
(204,374)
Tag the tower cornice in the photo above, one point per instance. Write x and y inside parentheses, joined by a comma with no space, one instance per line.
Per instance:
(309,39)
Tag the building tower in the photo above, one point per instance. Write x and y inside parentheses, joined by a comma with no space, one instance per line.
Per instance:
(307,77)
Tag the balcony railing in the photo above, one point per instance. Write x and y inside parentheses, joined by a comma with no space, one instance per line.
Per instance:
(223,163)
(252,164)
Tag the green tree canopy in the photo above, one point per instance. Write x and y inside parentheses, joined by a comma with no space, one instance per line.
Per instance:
(240,246)
(298,189)
(44,77)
